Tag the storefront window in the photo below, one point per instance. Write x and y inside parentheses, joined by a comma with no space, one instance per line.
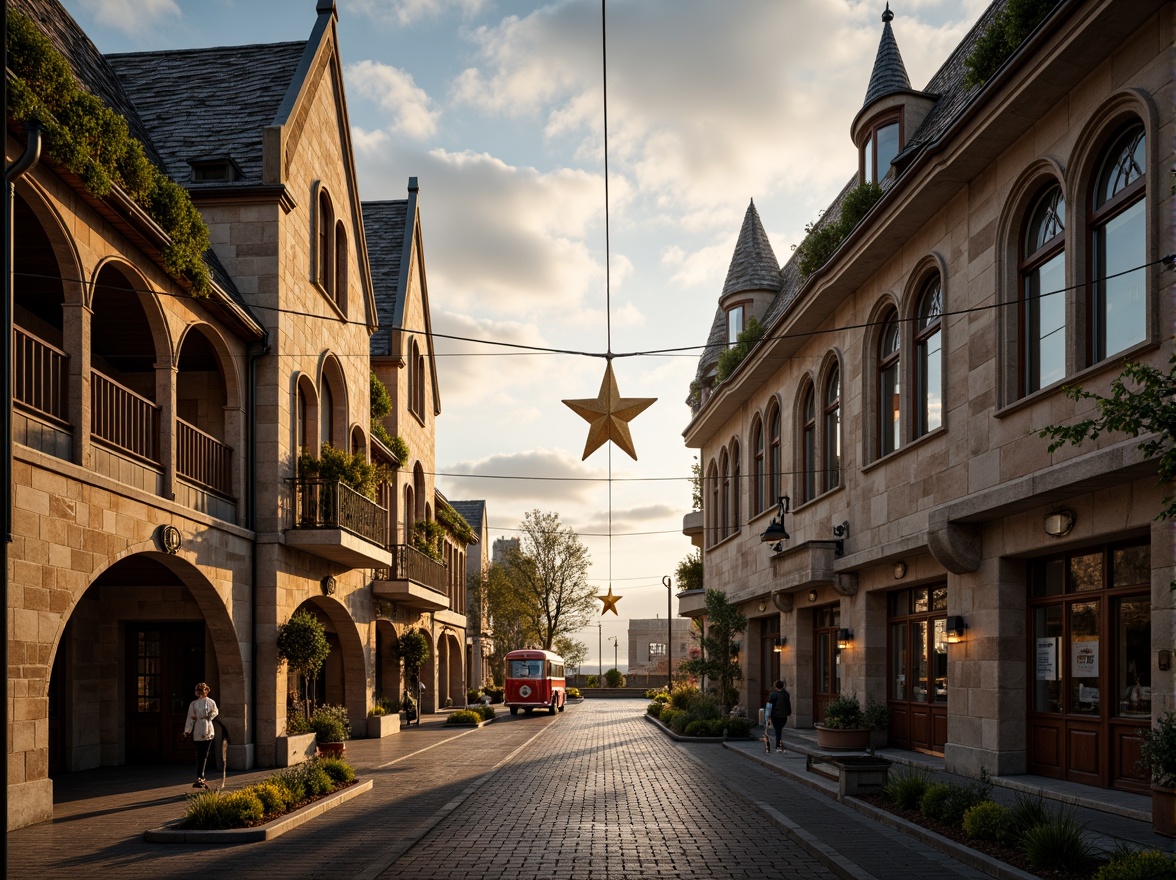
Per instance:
(898,661)
(1084,657)
(1047,630)
(1086,573)
(1133,664)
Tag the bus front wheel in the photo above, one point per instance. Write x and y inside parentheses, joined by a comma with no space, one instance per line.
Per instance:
(514,710)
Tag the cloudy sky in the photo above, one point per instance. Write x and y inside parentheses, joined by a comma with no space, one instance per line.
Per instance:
(497,108)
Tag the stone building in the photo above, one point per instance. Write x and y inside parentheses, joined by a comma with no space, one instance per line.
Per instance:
(479,637)
(652,642)
(877,498)
(162,525)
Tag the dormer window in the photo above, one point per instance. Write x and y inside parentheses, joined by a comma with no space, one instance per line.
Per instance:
(734,324)
(879,149)
(218,170)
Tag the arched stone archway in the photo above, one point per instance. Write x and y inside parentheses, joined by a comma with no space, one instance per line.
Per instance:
(343,678)
(389,684)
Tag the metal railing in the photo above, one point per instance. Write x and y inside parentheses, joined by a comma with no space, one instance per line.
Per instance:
(203,459)
(123,419)
(410,564)
(330,504)
(40,375)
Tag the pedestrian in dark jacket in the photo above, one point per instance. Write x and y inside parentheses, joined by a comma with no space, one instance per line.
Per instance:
(780,703)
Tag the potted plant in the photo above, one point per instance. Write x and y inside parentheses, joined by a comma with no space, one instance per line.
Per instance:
(332,729)
(877,718)
(1157,749)
(382,720)
(844,726)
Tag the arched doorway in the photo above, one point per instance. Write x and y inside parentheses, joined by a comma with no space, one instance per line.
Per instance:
(342,679)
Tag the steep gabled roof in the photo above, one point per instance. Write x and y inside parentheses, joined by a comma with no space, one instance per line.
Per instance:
(205,103)
(384,225)
(753,265)
(472,512)
(889,74)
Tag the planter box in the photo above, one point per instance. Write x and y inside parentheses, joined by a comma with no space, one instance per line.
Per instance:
(332,749)
(1164,811)
(382,725)
(850,739)
(858,775)
(291,750)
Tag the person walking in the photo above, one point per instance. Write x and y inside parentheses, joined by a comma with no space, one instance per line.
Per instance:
(780,703)
(201,711)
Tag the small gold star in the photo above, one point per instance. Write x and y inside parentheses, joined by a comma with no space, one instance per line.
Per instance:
(609,415)
(610,603)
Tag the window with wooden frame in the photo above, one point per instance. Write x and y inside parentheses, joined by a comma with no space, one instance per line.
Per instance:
(831,466)
(324,269)
(736,487)
(759,501)
(929,357)
(880,147)
(340,286)
(808,444)
(889,386)
(1042,309)
(775,476)
(1118,247)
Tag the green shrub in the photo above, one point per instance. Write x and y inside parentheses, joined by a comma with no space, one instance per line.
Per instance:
(652,693)
(907,786)
(737,727)
(496,694)
(592,681)
(685,696)
(1003,36)
(1059,843)
(487,711)
(961,799)
(844,713)
(823,240)
(667,714)
(297,723)
(291,782)
(463,716)
(614,678)
(330,724)
(203,811)
(699,727)
(1139,865)
(654,709)
(986,820)
(662,698)
(934,801)
(731,358)
(573,693)
(1027,811)
(239,808)
(318,781)
(339,770)
(272,796)
(473,696)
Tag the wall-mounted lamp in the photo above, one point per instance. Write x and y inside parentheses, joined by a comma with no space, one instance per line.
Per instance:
(844,638)
(1059,523)
(779,643)
(840,532)
(955,629)
(775,531)
(812,595)
(900,570)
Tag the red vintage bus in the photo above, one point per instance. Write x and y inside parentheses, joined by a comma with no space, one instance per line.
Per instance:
(535,680)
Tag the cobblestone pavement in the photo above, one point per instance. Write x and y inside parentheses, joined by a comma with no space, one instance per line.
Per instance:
(595,792)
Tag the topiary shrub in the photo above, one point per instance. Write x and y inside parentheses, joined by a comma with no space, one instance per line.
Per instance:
(1147,864)
(986,820)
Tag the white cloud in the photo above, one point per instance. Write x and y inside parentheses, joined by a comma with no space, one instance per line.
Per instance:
(406,12)
(132,17)
(541,476)
(396,92)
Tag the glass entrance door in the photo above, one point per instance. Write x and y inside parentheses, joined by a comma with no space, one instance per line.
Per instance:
(918,668)
(826,658)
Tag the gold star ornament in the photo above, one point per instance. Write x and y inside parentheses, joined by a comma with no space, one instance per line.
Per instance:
(610,602)
(609,415)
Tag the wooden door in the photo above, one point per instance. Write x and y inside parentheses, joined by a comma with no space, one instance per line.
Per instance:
(826,659)
(164,663)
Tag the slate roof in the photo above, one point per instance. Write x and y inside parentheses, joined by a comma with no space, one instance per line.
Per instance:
(206,103)
(952,96)
(753,265)
(91,69)
(472,512)
(384,225)
(889,74)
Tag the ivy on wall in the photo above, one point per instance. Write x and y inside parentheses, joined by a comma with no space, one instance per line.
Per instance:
(86,137)
(820,243)
(1000,40)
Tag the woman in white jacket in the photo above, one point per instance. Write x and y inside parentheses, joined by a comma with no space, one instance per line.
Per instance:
(201,711)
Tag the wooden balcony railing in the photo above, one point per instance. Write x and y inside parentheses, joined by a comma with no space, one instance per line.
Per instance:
(123,419)
(41,376)
(203,459)
(330,504)
(413,565)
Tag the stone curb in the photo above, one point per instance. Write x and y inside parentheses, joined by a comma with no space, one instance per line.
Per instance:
(276,828)
(973,858)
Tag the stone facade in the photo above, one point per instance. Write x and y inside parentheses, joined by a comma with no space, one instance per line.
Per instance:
(160,531)
(894,536)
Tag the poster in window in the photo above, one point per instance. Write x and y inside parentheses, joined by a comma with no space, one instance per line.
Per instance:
(1047,658)
(1084,657)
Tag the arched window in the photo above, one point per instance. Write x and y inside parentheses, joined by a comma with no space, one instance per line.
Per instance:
(327,412)
(736,487)
(340,291)
(929,363)
(1118,244)
(808,444)
(759,475)
(302,427)
(712,477)
(774,474)
(832,449)
(325,265)
(420,388)
(889,388)
(880,148)
(409,513)
(1043,293)
(725,499)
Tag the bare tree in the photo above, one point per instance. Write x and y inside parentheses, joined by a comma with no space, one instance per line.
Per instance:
(549,572)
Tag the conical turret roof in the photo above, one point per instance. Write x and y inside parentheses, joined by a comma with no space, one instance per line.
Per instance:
(889,74)
(753,265)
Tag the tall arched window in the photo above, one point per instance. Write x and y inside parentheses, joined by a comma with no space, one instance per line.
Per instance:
(302,428)
(1043,293)
(808,444)
(725,490)
(929,363)
(416,381)
(325,258)
(712,477)
(1118,244)
(774,473)
(759,475)
(832,448)
(340,289)
(889,388)
(327,412)
(736,487)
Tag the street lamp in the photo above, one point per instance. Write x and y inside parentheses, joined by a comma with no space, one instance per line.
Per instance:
(669,633)
(613,639)
(600,654)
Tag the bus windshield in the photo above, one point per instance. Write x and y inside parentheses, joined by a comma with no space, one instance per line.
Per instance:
(526,669)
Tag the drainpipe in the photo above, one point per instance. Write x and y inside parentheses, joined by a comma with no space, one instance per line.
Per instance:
(29,158)
(255,353)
